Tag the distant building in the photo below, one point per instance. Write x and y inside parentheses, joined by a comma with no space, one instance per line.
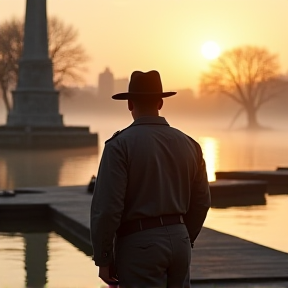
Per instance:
(106,83)
(121,85)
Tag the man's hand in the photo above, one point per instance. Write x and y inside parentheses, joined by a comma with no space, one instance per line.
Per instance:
(105,275)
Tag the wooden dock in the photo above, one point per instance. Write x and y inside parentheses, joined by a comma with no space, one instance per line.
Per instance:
(216,257)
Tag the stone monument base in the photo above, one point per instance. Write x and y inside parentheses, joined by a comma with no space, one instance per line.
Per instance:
(47,137)
(35,107)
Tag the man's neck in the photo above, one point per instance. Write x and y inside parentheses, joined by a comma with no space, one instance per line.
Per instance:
(138,115)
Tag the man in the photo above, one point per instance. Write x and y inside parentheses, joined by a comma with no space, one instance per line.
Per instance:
(152,179)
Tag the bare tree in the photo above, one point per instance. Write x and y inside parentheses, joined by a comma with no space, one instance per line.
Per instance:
(11,46)
(248,75)
(67,55)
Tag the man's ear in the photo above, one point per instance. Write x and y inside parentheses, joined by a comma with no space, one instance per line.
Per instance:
(130,105)
(160,104)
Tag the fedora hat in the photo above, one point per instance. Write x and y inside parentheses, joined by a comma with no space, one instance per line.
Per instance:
(144,84)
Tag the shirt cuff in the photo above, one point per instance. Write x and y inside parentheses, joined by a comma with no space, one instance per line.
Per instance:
(105,260)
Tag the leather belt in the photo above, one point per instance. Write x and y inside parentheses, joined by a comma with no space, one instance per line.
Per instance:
(134,226)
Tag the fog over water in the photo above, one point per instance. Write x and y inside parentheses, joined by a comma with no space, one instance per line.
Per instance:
(223,149)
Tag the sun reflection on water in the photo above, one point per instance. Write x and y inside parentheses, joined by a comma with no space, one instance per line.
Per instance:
(210,148)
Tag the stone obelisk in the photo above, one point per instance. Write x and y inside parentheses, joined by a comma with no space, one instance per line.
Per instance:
(35,100)
(34,121)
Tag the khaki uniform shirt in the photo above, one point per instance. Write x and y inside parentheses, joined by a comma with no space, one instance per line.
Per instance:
(149,169)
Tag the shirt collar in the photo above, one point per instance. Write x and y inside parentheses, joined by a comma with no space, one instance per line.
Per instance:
(154,120)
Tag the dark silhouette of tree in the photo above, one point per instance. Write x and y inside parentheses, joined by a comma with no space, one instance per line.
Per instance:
(11,46)
(248,75)
(67,55)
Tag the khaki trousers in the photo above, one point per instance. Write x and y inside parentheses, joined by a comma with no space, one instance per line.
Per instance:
(154,258)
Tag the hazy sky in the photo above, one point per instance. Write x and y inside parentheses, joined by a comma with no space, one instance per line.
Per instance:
(166,35)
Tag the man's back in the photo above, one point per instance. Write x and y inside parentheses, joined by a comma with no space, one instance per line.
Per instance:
(162,163)
(150,169)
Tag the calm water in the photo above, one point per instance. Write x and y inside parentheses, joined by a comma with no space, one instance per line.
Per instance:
(238,150)
(223,150)
(57,263)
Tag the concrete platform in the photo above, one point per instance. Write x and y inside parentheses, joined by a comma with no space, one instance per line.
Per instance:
(228,193)
(21,137)
(278,177)
(217,257)
(282,168)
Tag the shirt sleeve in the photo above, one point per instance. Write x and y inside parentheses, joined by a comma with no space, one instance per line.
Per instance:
(108,202)
(200,200)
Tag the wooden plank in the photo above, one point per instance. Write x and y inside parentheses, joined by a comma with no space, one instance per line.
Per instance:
(222,256)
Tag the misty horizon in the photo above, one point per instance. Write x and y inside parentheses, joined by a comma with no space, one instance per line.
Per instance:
(176,36)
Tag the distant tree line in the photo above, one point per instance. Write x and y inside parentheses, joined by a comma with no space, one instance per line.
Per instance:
(67,55)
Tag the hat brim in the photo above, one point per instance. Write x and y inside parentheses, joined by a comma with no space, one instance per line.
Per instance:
(129,95)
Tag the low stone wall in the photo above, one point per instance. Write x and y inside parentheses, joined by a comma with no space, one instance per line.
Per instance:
(46,137)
